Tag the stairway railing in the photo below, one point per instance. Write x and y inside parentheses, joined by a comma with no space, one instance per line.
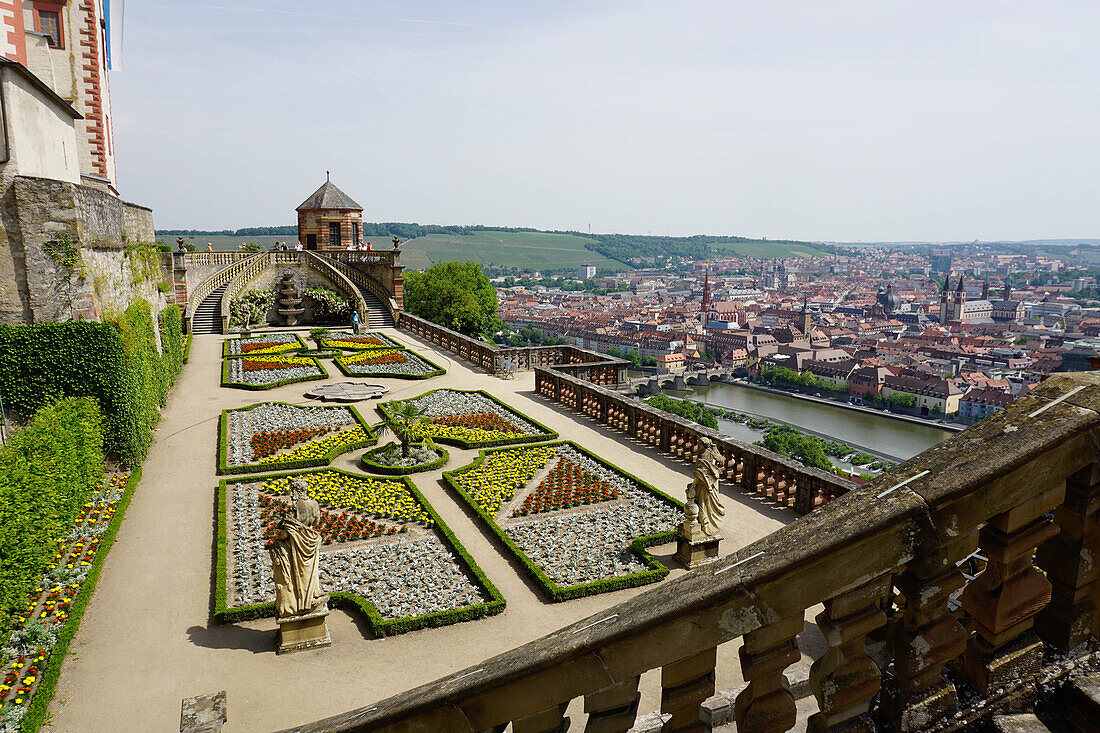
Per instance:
(249,270)
(212,283)
(363,280)
(884,554)
(328,269)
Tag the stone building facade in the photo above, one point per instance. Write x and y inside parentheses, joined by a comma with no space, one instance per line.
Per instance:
(330,219)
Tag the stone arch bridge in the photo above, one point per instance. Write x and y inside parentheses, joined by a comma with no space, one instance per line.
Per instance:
(206,282)
(692,378)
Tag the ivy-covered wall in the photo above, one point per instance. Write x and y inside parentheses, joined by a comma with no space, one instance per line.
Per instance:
(120,364)
(47,472)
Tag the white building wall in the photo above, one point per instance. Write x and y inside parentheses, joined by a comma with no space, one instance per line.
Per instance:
(41,136)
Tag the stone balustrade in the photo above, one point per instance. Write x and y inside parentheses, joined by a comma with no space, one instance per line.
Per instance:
(215,281)
(210,259)
(991,486)
(245,272)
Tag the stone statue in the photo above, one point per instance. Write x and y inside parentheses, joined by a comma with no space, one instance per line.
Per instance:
(180,244)
(246,320)
(294,556)
(702,492)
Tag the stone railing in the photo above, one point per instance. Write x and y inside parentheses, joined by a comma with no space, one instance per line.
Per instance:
(751,467)
(886,553)
(362,280)
(331,271)
(589,365)
(373,257)
(215,281)
(207,259)
(247,271)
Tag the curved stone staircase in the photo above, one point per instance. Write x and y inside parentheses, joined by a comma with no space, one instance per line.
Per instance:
(208,316)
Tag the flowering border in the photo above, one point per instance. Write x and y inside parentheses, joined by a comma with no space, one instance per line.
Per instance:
(388,342)
(271,385)
(37,711)
(223,445)
(394,375)
(225,344)
(373,467)
(558,593)
(548,434)
(225,614)
(187,348)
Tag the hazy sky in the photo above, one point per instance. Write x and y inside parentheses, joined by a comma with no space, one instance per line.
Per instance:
(828,120)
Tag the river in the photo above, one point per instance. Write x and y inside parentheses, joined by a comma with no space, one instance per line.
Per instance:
(895,438)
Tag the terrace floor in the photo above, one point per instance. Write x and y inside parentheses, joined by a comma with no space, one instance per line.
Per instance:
(146,641)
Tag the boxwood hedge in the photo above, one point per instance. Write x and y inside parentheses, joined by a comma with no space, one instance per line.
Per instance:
(556,592)
(374,467)
(223,614)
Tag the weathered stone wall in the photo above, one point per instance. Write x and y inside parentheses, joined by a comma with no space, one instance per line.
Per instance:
(105,272)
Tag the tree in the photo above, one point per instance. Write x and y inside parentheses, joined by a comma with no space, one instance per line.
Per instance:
(456,295)
(404,425)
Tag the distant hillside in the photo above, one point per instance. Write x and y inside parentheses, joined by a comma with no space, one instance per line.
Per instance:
(520,247)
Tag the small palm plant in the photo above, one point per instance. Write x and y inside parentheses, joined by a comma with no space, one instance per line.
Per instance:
(318,336)
(406,419)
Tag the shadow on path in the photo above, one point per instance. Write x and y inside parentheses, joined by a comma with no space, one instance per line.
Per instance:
(256,641)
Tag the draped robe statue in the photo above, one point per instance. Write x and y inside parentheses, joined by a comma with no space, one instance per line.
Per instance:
(294,556)
(703,489)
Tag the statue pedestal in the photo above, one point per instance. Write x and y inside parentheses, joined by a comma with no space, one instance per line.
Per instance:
(298,633)
(694,547)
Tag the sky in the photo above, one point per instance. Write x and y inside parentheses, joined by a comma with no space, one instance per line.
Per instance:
(847,120)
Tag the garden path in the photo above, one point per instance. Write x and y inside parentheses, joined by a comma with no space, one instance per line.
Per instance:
(146,642)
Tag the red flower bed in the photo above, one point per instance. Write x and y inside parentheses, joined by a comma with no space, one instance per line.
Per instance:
(567,485)
(395,357)
(334,526)
(478,421)
(366,340)
(269,442)
(253,365)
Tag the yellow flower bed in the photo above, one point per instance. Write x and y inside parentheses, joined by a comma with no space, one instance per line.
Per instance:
(368,356)
(276,349)
(382,497)
(470,435)
(501,474)
(279,359)
(318,448)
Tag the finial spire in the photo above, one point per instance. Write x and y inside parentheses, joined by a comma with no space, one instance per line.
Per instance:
(328,179)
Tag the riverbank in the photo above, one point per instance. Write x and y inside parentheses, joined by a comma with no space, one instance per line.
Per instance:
(856,408)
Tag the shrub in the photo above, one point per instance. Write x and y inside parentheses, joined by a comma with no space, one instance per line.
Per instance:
(328,306)
(116,363)
(47,471)
(258,301)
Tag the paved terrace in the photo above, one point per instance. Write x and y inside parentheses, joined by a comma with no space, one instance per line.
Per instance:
(146,641)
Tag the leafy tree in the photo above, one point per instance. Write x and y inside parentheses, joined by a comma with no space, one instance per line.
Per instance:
(807,449)
(456,295)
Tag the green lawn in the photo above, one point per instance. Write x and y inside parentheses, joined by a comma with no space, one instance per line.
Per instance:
(769,249)
(536,250)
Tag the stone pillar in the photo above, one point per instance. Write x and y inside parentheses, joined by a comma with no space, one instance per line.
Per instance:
(767,705)
(1070,562)
(684,686)
(612,709)
(845,679)
(1003,600)
(924,638)
(550,720)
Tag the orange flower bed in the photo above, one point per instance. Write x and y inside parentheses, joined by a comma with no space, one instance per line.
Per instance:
(567,485)
(245,348)
(477,421)
(269,442)
(334,526)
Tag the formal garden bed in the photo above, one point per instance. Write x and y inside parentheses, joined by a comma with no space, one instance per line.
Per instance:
(36,640)
(386,552)
(272,436)
(267,343)
(398,363)
(388,459)
(359,341)
(469,419)
(265,371)
(578,524)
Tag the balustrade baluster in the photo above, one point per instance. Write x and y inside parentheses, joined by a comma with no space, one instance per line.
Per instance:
(612,709)
(924,638)
(1071,565)
(684,686)
(845,679)
(767,705)
(550,720)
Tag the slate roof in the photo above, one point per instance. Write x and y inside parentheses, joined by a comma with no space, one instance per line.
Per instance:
(328,196)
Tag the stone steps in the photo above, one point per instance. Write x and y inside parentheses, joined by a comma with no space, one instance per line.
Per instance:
(208,316)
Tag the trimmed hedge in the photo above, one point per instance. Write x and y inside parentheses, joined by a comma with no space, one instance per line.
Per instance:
(223,445)
(381,468)
(47,472)
(272,385)
(187,348)
(116,363)
(548,434)
(350,601)
(37,713)
(171,336)
(225,345)
(393,375)
(558,593)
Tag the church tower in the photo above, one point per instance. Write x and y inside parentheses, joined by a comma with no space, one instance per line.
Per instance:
(985,288)
(705,309)
(805,322)
(944,303)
